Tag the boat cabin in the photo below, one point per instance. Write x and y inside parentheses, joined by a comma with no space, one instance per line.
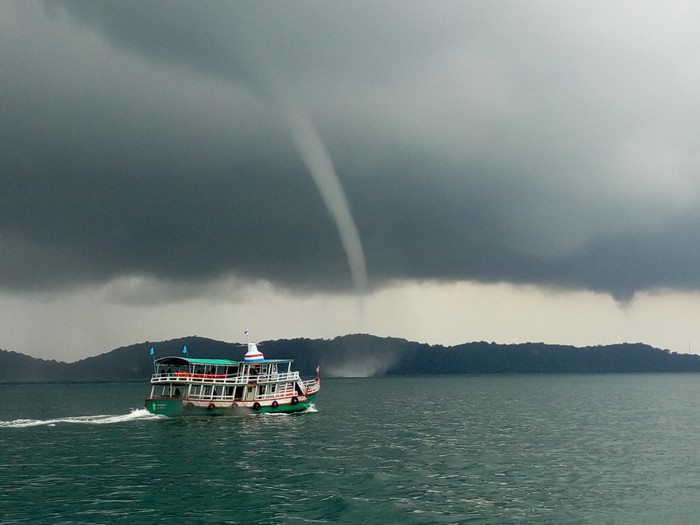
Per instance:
(223,379)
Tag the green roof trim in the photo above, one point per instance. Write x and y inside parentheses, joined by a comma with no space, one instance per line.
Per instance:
(176,360)
(197,361)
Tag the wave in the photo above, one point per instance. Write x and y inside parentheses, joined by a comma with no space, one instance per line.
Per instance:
(140,413)
(136,414)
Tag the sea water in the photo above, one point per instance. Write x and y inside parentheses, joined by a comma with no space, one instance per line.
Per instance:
(467,449)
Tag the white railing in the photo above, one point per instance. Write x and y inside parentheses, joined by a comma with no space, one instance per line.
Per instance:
(277,378)
(311,386)
(238,379)
(287,391)
(207,379)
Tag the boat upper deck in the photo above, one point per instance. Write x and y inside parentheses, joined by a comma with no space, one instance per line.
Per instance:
(175,369)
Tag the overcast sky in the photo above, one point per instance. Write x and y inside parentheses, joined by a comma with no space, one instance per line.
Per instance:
(439,171)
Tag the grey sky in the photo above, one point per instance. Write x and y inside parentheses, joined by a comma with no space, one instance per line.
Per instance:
(547,143)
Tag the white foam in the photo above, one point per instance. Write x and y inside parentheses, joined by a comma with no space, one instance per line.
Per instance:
(140,413)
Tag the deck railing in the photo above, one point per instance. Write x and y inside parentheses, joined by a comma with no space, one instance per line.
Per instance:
(221,379)
(286,391)
(311,386)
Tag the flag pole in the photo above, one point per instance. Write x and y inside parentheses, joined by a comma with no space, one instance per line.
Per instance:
(152,353)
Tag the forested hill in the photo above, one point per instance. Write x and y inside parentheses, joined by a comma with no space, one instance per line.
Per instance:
(362,356)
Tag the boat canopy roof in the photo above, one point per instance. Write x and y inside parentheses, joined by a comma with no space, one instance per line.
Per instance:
(183,361)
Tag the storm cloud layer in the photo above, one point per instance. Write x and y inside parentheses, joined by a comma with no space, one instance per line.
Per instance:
(539,142)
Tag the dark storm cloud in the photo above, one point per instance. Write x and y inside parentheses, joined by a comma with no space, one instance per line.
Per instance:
(534,143)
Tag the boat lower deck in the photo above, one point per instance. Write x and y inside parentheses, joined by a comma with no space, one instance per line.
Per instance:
(190,407)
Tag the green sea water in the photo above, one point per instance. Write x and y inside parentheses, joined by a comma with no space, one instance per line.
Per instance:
(468,449)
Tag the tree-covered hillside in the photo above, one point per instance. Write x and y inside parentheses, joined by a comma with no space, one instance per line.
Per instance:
(362,355)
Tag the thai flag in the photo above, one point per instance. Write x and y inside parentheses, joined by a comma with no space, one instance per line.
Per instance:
(245,332)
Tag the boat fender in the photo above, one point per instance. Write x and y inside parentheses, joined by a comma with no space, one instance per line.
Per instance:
(211,406)
(275,404)
(256,406)
(295,400)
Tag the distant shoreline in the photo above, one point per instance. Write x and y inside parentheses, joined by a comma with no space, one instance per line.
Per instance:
(362,355)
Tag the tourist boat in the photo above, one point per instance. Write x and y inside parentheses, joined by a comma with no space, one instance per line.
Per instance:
(185,386)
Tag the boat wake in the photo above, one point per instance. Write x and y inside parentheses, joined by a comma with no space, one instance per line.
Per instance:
(311,409)
(140,413)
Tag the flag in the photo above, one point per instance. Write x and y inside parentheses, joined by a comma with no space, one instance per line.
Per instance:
(245,332)
(152,351)
(318,367)
(184,349)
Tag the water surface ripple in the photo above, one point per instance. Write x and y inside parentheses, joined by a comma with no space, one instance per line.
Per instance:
(469,449)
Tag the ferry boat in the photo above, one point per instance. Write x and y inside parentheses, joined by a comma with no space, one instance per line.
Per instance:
(185,386)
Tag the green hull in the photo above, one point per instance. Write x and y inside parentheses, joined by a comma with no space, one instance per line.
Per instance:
(180,407)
